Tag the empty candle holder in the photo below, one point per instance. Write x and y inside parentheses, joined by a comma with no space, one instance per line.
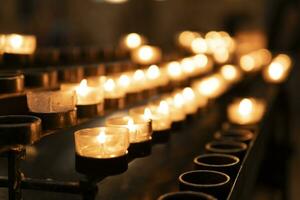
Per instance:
(227,164)
(186,195)
(55,108)
(19,129)
(227,147)
(241,135)
(11,82)
(140,131)
(101,151)
(207,181)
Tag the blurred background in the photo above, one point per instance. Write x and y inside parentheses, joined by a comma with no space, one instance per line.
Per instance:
(87,23)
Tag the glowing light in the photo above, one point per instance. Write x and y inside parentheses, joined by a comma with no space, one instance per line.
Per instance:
(101,138)
(186,38)
(275,71)
(200,60)
(124,81)
(178,100)
(153,72)
(15,41)
(247,63)
(131,125)
(188,66)
(109,85)
(146,54)
(245,107)
(82,89)
(188,93)
(230,73)
(163,107)
(133,40)
(174,69)
(147,114)
(138,75)
(199,45)
(210,87)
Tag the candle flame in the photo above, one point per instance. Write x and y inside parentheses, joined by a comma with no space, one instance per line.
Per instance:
(82,88)
(131,126)
(164,107)
(188,93)
(178,100)
(229,72)
(153,72)
(247,63)
(124,80)
(188,65)
(275,71)
(138,75)
(101,138)
(109,85)
(199,45)
(16,41)
(200,60)
(174,69)
(133,40)
(147,114)
(245,107)
(209,86)
(145,53)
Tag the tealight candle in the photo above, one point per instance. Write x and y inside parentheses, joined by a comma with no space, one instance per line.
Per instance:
(190,101)
(230,73)
(199,45)
(186,38)
(160,120)
(146,55)
(101,151)
(102,142)
(255,60)
(19,44)
(132,41)
(113,95)
(278,70)
(140,129)
(86,95)
(175,107)
(51,101)
(203,64)
(211,87)
(246,111)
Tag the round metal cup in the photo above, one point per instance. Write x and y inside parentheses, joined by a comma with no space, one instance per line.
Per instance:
(241,135)
(186,195)
(11,82)
(227,164)
(207,181)
(227,147)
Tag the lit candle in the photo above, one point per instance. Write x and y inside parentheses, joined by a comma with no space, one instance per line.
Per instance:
(86,95)
(186,38)
(175,107)
(254,61)
(132,41)
(140,129)
(160,120)
(230,73)
(51,101)
(202,64)
(246,111)
(19,44)
(124,82)
(146,55)
(188,66)
(102,142)
(174,71)
(212,86)
(190,100)
(199,45)
(111,91)
(278,70)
